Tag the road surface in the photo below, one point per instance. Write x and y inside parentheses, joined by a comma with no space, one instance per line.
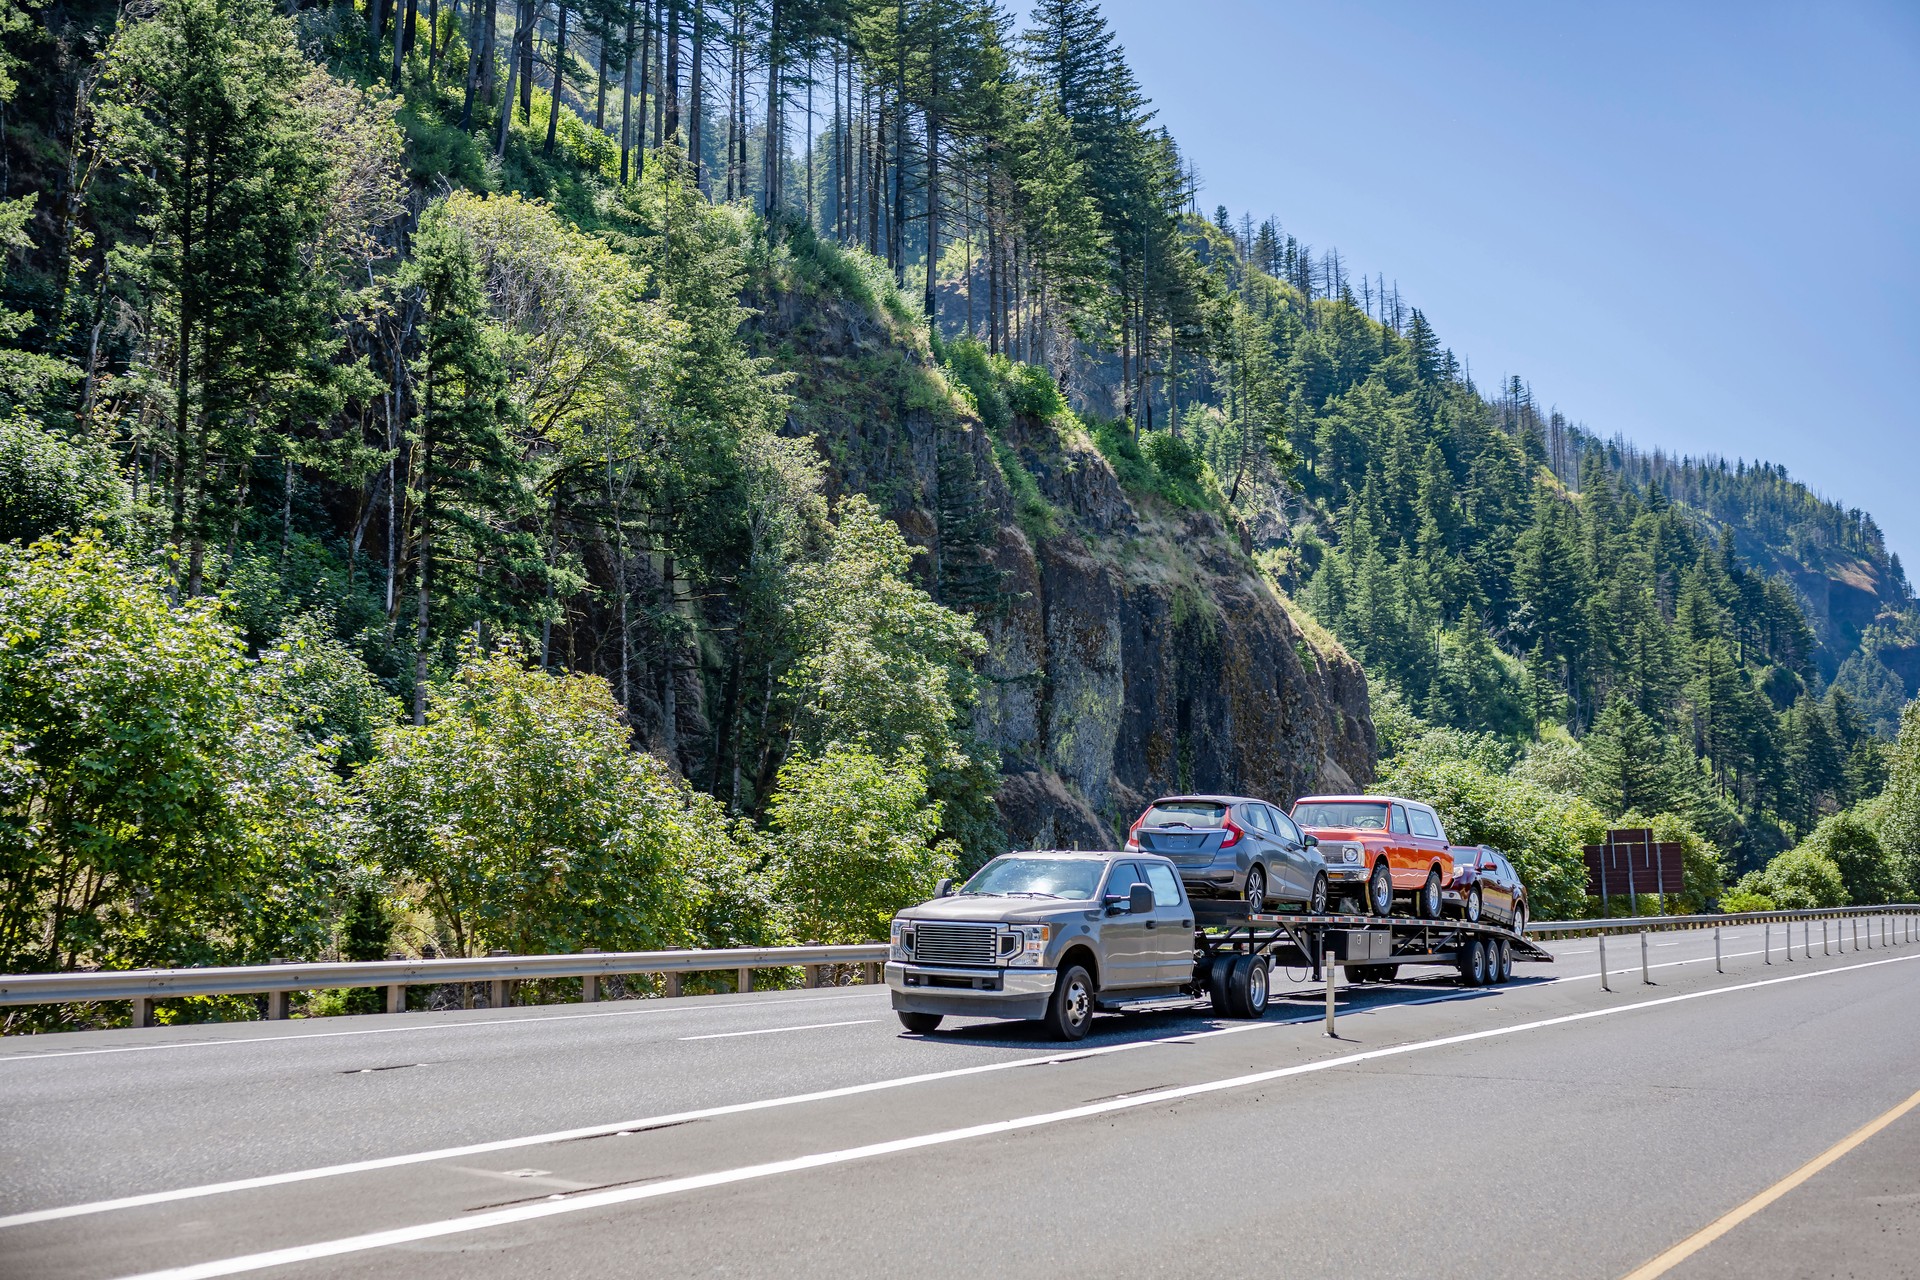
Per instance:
(1542,1129)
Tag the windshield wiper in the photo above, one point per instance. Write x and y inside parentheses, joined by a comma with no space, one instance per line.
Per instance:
(1029,893)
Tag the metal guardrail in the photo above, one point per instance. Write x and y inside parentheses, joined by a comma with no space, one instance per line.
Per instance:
(278,981)
(1643,924)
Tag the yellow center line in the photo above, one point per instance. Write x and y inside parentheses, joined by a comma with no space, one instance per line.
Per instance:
(1726,1222)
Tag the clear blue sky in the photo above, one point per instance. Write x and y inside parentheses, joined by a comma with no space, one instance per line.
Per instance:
(1694,224)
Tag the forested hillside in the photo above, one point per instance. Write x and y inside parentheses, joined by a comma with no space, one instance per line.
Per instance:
(695,471)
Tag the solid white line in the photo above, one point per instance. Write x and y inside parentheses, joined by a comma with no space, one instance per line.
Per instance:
(602,1130)
(774,1031)
(643,1007)
(1155,1097)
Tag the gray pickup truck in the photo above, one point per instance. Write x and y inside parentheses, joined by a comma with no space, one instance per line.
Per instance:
(1049,935)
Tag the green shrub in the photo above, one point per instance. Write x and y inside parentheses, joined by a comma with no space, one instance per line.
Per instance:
(1738,900)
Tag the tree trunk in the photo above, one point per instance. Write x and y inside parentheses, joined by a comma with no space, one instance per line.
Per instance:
(670,87)
(646,68)
(514,63)
(526,22)
(376,21)
(696,83)
(626,95)
(559,79)
(771,197)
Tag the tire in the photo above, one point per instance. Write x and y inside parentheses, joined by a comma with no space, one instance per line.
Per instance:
(1219,970)
(1473,968)
(1247,987)
(921,1024)
(1428,903)
(1506,960)
(1380,890)
(1474,905)
(1070,1010)
(1255,894)
(1317,899)
(1520,919)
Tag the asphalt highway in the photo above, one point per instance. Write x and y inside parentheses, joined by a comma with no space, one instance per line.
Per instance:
(1546,1128)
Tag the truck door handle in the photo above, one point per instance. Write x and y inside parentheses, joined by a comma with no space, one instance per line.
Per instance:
(1153,924)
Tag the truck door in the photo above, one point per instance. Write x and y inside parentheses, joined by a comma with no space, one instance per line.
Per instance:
(1130,948)
(1173,926)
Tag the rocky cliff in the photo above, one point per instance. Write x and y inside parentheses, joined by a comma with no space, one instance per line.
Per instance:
(1136,649)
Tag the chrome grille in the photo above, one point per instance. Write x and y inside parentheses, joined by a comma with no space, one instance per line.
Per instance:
(953,943)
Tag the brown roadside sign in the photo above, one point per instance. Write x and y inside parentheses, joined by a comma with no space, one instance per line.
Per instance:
(1632,861)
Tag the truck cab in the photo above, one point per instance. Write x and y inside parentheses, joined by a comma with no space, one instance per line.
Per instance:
(1052,935)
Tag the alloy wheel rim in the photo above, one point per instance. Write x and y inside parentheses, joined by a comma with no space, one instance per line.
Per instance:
(1473,906)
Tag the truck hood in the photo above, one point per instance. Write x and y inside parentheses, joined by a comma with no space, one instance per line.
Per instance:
(984,910)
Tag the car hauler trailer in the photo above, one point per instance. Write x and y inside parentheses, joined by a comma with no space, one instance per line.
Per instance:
(1229,948)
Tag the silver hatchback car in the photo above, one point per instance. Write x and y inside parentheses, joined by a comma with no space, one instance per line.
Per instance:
(1234,847)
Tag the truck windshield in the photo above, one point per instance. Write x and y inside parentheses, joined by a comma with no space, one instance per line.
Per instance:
(1055,877)
(1185,813)
(1351,814)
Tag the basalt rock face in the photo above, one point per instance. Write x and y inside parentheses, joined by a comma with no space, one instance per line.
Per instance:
(1134,649)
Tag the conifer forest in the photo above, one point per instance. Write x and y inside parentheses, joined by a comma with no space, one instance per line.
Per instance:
(651,473)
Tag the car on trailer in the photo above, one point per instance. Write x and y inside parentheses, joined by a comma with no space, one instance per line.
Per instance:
(1487,887)
(1389,848)
(1237,848)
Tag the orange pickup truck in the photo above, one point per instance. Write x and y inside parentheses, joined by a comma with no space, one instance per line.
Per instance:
(1395,848)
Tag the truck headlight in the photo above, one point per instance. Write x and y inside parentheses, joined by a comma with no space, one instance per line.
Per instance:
(900,943)
(1033,945)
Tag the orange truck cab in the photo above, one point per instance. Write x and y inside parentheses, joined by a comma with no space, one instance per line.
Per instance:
(1383,846)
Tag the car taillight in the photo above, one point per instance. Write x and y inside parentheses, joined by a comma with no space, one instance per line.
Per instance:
(1233,834)
(1133,832)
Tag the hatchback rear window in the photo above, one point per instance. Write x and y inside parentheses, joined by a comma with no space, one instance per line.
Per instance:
(1185,813)
(1423,824)
(1358,815)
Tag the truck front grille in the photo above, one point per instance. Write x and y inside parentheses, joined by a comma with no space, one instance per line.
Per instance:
(953,943)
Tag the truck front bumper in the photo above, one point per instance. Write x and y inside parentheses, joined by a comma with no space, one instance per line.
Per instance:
(970,993)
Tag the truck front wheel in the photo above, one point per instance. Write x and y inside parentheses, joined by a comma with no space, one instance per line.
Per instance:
(1380,890)
(1070,1011)
(921,1024)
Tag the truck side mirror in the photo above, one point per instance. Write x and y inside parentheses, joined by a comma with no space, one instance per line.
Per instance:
(1139,899)
(944,889)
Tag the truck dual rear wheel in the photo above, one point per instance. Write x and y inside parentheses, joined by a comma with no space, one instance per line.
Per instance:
(921,1024)
(1070,1010)
(1247,987)
(1219,984)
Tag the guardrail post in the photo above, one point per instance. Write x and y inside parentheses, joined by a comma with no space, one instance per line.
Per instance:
(870,973)
(813,976)
(589,982)
(396,993)
(142,1012)
(497,989)
(744,982)
(1823,938)
(1717,968)
(1603,962)
(1646,975)
(1766,942)
(1329,969)
(279,1003)
(673,984)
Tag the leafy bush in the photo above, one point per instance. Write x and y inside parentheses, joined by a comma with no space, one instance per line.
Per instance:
(521,816)
(1797,880)
(1739,900)
(1181,479)
(51,484)
(1870,874)
(858,840)
(154,809)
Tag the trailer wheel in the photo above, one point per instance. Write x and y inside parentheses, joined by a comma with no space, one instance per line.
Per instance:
(1247,987)
(921,1024)
(1219,970)
(1473,966)
(1380,890)
(1428,903)
(1506,960)
(1070,1011)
